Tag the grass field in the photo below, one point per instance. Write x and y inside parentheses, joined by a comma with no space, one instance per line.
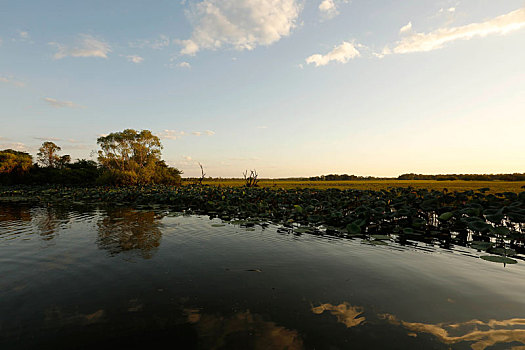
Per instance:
(457,185)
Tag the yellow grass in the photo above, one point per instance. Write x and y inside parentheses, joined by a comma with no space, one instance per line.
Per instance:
(457,185)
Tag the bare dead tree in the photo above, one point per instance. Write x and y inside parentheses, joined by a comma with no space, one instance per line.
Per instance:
(251,181)
(202,174)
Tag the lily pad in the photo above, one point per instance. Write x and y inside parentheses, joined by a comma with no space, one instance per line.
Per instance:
(303,229)
(378,242)
(380,237)
(408,230)
(501,230)
(353,229)
(479,226)
(502,251)
(480,245)
(498,259)
(446,216)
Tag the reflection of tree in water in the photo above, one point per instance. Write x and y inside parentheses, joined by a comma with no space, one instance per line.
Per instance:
(14,213)
(45,221)
(243,330)
(48,219)
(123,229)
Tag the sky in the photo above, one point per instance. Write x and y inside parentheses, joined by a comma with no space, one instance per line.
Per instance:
(287,87)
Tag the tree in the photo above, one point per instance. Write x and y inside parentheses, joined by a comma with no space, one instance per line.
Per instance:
(64,160)
(251,181)
(14,166)
(14,162)
(47,154)
(133,157)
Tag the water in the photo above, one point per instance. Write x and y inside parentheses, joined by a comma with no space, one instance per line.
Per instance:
(84,277)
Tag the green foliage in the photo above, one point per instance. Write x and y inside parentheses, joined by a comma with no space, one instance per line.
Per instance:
(48,157)
(130,157)
(81,172)
(14,162)
(13,165)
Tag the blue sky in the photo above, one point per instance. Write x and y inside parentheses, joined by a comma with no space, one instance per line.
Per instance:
(287,87)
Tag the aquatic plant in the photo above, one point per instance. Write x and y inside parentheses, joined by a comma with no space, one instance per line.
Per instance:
(250,181)
(491,223)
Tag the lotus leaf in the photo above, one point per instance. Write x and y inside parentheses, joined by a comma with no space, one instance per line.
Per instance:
(502,251)
(480,245)
(380,237)
(501,231)
(499,259)
(353,229)
(446,216)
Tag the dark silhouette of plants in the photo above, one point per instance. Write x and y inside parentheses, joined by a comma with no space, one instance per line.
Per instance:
(200,179)
(251,181)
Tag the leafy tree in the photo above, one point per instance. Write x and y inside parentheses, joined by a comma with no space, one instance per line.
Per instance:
(133,157)
(14,162)
(14,165)
(64,160)
(47,154)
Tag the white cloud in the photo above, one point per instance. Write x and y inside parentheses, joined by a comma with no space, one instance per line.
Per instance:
(47,139)
(61,104)
(241,24)
(450,9)
(87,46)
(11,81)
(157,44)
(171,134)
(23,35)
(341,54)
(422,42)
(405,29)
(17,146)
(200,133)
(135,58)
(174,134)
(184,65)
(160,43)
(328,9)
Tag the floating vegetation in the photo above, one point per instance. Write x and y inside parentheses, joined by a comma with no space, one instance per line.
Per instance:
(494,223)
(499,259)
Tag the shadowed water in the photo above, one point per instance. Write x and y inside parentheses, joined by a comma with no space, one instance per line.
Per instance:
(77,277)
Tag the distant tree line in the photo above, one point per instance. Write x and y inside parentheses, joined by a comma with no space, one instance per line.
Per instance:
(445,177)
(465,177)
(125,158)
(342,177)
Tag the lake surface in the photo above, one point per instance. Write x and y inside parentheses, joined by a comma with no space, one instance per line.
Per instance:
(77,277)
